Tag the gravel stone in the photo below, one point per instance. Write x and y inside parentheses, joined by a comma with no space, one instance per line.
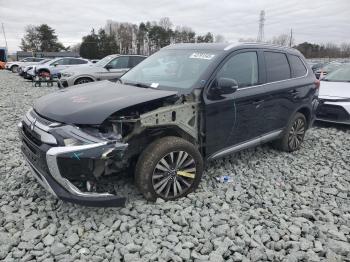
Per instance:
(72,239)
(279,207)
(48,240)
(58,248)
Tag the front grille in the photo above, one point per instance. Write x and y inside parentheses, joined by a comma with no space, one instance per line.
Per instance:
(332,112)
(31,135)
(34,154)
(39,118)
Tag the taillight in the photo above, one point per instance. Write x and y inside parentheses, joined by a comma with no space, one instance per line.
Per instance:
(317,83)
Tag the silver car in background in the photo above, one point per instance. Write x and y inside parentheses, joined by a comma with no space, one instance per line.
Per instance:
(22,71)
(56,65)
(15,65)
(110,67)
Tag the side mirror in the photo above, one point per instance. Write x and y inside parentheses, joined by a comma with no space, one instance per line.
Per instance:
(108,67)
(55,64)
(226,86)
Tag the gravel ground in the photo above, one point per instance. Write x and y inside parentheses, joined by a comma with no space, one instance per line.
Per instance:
(280,207)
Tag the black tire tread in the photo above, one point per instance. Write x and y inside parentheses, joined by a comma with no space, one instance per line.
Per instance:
(151,155)
(282,143)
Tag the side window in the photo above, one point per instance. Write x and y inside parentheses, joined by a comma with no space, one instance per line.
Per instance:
(298,67)
(277,66)
(135,60)
(57,62)
(119,62)
(77,61)
(243,68)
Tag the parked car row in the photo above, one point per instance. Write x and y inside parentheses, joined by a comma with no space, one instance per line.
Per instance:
(73,71)
(170,114)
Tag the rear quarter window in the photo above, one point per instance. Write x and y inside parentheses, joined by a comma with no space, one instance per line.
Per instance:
(277,66)
(297,66)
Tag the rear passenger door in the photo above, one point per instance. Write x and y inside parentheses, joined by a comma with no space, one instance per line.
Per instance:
(285,85)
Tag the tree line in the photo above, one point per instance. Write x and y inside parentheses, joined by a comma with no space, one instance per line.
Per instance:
(144,38)
(148,37)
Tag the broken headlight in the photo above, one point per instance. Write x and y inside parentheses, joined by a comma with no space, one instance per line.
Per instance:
(73,136)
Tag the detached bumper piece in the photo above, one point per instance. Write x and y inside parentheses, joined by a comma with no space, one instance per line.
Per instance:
(45,160)
(332,112)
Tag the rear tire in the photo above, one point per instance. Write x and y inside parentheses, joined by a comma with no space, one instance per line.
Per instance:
(293,136)
(83,80)
(14,69)
(169,168)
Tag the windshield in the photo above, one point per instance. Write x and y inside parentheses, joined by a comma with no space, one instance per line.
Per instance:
(104,60)
(44,61)
(331,67)
(340,75)
(168,69)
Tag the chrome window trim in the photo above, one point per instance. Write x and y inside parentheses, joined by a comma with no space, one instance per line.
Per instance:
(274,82)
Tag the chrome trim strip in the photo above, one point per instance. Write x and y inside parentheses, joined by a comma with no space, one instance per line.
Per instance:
(51,158)
(44,136)
(42,180)
(244,145)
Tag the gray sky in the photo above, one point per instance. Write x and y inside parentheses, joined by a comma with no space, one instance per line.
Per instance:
(318,21)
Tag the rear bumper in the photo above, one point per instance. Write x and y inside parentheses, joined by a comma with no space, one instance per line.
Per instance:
(45,162)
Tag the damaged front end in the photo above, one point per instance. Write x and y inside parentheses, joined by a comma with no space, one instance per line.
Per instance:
(66,160)
(72,161)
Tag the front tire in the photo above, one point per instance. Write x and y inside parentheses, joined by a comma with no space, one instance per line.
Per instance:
(82,80)
(169,168)
(14,69)
(294,135)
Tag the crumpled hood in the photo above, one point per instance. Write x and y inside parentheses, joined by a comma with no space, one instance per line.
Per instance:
(335,90)
(92,103)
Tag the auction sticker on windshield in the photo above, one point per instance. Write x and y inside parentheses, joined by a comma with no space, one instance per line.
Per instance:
(202,56)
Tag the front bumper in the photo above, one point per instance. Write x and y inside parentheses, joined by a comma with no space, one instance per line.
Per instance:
(46,161)
(61,83)
(333,111)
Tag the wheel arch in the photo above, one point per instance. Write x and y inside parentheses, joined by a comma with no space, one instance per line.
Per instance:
(140,141)
(306,111)
(84,76)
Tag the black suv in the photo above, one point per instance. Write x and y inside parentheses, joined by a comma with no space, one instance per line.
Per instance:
(164,119)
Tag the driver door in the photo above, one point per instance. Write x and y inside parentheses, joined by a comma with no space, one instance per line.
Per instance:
(115,68)
(236,118)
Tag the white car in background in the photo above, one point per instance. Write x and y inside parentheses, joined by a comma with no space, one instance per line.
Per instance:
(110,67)
(54,66)
(22,70)
(15,65)
(334,97)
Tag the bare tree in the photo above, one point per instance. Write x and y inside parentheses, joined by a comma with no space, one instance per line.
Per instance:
(165,23)
(282,39)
